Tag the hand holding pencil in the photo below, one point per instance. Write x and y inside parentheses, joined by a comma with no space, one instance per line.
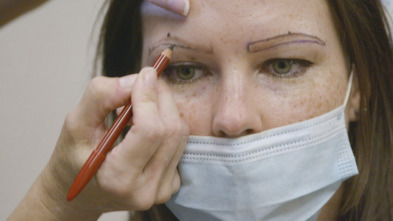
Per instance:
(142,169)
(139,172)
(97,157)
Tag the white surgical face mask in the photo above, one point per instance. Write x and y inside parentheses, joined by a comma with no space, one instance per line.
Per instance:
(286,173)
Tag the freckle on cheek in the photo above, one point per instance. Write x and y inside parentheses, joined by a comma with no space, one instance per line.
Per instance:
(223,41)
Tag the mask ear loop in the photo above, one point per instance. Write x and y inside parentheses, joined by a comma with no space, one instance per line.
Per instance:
(349,86)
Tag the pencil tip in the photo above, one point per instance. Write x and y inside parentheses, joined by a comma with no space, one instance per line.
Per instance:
(171,47)
(70,196)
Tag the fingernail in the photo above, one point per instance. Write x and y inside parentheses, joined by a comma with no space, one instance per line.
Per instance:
(181,7)
(127,81)
(149,77)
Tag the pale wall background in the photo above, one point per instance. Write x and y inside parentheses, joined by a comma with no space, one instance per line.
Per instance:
(45,63)
(46,60)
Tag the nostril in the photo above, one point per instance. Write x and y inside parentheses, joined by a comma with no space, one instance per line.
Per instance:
(221,134)
(234,135)
(235,118)
(249,131)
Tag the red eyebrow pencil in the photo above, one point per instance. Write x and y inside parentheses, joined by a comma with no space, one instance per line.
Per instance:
(97,157)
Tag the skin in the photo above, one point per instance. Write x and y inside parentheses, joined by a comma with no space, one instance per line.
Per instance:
(236,98)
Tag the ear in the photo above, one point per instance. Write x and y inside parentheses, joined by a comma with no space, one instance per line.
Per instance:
(354,99)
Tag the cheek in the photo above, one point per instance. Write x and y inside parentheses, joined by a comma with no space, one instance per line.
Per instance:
(277,104)
(312,99)
(195,106)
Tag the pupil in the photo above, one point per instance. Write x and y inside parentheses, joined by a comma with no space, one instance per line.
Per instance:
(186,71)
(282,64)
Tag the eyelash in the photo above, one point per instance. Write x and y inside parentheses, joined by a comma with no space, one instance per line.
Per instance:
(170,73)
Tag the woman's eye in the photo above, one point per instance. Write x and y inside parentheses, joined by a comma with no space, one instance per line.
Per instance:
(282,66)
(286,67)
(185,72)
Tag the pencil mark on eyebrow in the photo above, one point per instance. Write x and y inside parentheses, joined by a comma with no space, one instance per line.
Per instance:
(285,39)
(180,43)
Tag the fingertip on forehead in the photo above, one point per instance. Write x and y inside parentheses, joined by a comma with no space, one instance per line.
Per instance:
(151,10)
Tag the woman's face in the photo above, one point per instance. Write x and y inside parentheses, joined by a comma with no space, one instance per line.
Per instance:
(241,67)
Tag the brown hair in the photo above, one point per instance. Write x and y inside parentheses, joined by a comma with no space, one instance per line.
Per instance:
(366,37)
(364,33)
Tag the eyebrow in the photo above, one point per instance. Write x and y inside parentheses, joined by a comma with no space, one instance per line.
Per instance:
(180,43)
(285,39)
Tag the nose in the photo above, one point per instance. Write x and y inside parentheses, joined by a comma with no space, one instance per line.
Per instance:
(236,113)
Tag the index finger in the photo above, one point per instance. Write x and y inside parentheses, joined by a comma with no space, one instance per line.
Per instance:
(103,95)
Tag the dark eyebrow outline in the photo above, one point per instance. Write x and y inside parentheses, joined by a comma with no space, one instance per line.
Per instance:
(283,39)
(180,43)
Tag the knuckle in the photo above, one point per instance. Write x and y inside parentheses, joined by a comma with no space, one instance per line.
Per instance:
(167,188)
(163,196)
(118,190)
(70,122)
(97,82)
(97,86)
(119,183)
(140,198)
(143,203)
(176,183)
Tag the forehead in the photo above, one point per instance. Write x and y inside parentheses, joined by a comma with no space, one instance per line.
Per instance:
(239,21)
